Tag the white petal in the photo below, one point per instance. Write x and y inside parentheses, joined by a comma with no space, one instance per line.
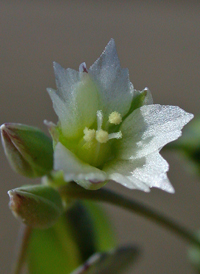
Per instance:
(153,172)
(58,105)
(142,174)
(66,80)
(115,88)
(73,168)
(75,102)
(120,172)
(129,182)
(149,128)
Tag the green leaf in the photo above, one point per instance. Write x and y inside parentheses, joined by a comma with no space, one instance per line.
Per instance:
(53,250)
(91,228)
(113,262)
(103,230)
(82,231)
(194,255)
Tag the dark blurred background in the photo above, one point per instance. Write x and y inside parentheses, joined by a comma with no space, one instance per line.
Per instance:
(159,42)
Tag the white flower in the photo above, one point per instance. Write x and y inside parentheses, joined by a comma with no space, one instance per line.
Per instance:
(108,131)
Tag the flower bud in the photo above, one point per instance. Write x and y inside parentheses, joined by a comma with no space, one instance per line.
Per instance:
(38,206)
(28,150)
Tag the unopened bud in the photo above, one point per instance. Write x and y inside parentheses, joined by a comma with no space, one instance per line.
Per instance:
(28,150)
(38,206)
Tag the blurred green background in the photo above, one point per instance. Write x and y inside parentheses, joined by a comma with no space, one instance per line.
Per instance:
(159,41)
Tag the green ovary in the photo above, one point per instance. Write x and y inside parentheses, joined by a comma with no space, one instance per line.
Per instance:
(93,152)
(95,147)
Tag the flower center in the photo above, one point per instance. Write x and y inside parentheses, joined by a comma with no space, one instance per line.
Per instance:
(89,134)
(101,135)
(95,147)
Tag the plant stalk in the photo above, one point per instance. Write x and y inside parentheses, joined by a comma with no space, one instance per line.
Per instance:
(72,190)
(22,245)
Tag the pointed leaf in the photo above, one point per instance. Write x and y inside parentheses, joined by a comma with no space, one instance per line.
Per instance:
(53,250)
(103,230)
(82,231)
(113,262)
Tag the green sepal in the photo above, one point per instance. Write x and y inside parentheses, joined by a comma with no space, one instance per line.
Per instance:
(37,206)
(112,262)
(54,179)
(138,100)
(28,150)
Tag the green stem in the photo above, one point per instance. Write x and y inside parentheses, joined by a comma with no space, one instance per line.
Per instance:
(72,190)
(22,246)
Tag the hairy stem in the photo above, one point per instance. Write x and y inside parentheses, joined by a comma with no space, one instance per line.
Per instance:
(22,245)
(71,190)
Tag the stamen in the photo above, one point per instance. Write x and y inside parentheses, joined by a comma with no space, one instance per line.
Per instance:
(115,118)
(115,135)
(99,119)
(102,136)
(89,134)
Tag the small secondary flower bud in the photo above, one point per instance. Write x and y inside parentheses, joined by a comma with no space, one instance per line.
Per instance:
(28,150)
(37,206)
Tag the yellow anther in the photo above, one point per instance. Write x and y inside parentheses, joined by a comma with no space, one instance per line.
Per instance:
(102,136)
(89,134)
(115,118)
